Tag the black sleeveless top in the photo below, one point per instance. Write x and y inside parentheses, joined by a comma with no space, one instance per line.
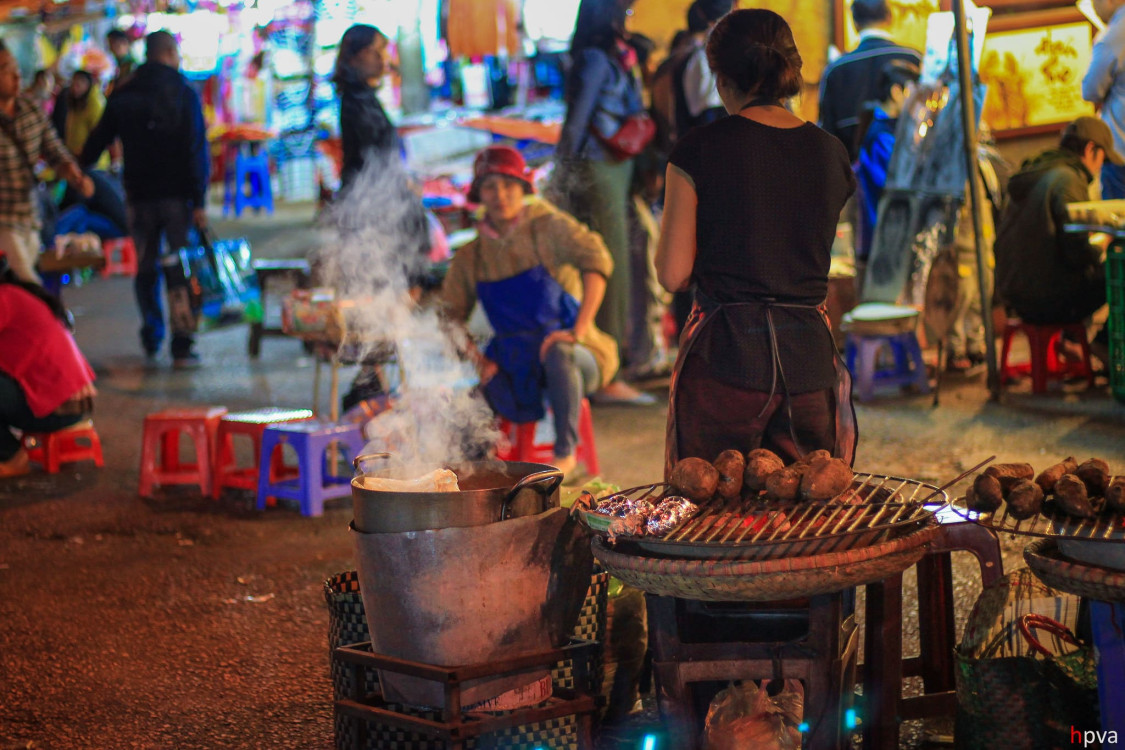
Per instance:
(769,202)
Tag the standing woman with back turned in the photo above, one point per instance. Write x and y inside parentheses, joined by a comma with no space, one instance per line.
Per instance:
(750,212)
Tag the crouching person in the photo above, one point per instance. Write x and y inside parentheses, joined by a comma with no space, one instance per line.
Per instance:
(45,382)
(539,276)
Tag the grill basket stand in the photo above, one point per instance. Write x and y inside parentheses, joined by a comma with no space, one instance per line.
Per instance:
(455,729)
(824,660)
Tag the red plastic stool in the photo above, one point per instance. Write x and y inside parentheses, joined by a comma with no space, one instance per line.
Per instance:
(251,424)
(160,449)
(1045,364)
(126,265)
(519,443)
(79,442)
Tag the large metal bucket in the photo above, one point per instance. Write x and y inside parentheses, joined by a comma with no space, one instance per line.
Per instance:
(472,595)
(487,495)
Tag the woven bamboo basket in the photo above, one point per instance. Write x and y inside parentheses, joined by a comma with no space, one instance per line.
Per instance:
(1080,579)
(767,580)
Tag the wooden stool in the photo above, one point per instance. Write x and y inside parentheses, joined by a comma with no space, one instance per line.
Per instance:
(126,263)
(160,447)
(313,485)
(812,640)
(520,445)
(251,424)
(1045,364)
(79,442)
(884,667)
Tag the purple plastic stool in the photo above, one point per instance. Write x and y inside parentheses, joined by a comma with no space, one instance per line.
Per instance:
(313,485)
(862,353)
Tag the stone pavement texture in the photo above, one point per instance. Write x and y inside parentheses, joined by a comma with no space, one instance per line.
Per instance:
(183,622)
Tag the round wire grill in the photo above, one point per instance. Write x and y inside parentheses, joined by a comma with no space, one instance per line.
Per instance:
(1051,522)
(874,509)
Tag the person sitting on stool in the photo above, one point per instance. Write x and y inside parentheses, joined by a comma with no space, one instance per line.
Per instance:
(1044,275)
(45,382)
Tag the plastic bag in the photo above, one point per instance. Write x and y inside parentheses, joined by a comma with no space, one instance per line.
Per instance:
(745,716)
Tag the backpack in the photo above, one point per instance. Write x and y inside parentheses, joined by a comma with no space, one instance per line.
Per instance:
(669,106)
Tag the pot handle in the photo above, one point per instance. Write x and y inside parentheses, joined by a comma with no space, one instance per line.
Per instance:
(368,457)
(543,482)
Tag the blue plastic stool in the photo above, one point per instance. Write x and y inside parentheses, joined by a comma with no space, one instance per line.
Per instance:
(313,484)
(1107,621)
(248,186)
(862,352)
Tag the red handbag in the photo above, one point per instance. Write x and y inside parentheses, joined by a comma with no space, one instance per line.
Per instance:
(635,133)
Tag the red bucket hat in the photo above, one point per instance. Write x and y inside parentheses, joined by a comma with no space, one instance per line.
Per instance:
(503,160)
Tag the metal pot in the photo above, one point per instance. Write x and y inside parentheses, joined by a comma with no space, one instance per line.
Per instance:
(486,496)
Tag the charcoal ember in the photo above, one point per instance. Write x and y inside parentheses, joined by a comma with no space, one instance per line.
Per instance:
(668,514)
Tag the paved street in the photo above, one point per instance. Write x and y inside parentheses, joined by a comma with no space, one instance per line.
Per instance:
(191,623)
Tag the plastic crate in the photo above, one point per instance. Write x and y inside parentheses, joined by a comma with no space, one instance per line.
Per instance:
(1115,296)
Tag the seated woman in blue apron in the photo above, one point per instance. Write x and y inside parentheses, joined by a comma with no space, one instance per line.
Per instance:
(750,211)
(540,276)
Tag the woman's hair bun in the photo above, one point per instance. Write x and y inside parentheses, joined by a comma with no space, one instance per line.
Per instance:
(754,49)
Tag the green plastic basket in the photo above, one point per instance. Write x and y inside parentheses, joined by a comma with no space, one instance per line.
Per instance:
(1115,296)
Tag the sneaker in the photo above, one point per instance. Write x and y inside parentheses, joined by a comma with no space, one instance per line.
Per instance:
(16,466)
(189,361)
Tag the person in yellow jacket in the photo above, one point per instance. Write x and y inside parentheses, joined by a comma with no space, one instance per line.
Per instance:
(84,107)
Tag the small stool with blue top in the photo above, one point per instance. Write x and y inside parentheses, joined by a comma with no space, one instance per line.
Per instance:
(317,480)
(248,184)
(874,327)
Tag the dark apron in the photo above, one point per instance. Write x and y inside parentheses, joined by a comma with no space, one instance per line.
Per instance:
(522,309)
(702,314)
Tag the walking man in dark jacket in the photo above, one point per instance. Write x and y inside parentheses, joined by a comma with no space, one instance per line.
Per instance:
(1046,275)
(853,79)
(159,120)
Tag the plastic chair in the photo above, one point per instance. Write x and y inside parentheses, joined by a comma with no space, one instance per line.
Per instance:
(250,424)
(520,445)
(160,448)
(120,257)
(79,442)
(313,484)
(1045,364)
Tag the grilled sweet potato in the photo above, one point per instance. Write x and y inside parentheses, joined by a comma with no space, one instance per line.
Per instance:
(731,465)
(825,479)
(785,484)
(1025,500)
(1047,478)
(985,495)
(1115,496)
(695,478)
(1094,473)
(1009,474)
(1071,496)
(760,463)
(812,457)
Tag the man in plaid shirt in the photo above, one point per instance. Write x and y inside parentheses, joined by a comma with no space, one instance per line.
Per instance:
(26,136)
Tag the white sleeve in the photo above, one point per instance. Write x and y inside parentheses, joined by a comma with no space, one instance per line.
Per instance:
(699,85)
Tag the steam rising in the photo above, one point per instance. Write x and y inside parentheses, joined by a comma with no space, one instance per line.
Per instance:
(372,250)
